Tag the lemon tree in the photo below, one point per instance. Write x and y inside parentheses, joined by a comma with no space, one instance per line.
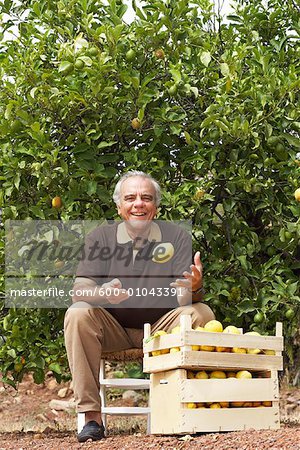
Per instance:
(209,107)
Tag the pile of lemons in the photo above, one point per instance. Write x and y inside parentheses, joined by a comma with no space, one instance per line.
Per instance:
(220,374)
(219,405)
(216,327)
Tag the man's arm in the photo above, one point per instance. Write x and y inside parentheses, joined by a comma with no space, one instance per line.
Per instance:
(191,284)
(87,290)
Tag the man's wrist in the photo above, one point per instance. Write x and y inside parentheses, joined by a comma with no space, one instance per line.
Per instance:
(200,290)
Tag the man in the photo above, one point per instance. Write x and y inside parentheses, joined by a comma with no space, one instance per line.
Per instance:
(138,260)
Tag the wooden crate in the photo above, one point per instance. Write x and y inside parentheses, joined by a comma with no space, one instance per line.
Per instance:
(187,358)
(171,391)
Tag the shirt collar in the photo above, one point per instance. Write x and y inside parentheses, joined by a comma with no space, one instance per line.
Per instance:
(123,236)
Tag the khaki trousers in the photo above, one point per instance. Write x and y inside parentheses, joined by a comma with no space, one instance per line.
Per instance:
(90,330)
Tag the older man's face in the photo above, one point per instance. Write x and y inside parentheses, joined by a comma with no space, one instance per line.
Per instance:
(137,200)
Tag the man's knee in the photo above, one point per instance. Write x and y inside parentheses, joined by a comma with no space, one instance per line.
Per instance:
(80,313)
(199,312)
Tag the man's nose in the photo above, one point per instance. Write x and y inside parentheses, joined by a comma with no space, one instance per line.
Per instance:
(138,201)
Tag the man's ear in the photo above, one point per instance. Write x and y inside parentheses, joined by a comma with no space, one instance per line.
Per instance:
(119,209)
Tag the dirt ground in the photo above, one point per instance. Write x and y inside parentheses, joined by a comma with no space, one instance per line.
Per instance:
(27,422)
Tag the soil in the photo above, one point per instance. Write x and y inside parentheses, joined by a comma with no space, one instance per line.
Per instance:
(27,422)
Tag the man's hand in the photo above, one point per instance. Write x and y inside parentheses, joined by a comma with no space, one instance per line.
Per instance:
(113,292)
(192,280)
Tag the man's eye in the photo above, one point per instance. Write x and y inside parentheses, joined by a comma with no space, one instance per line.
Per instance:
(147,199)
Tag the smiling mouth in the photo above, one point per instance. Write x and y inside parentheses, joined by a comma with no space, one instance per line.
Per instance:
(138,214)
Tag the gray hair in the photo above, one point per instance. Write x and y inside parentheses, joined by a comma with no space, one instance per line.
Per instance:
(136,173)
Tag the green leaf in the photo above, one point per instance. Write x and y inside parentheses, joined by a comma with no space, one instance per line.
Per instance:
(11,352)
(243,261)
(138,11)
(225,69)
(292,140)
(38,376)
(176,75)
(205,58)
(40,362)
(195,91)
(17,180)
(37,212)
(105,144)
(87,60)
(55,367)
(117,31)
(92,187)
(245,307)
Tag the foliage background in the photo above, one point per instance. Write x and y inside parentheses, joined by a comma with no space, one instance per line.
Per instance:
(219,114)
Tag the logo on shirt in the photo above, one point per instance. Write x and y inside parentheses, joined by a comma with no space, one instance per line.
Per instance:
(163,252)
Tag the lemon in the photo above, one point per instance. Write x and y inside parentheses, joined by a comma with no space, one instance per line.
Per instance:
(156,352)
(259,317)
(243,374)
(207,348)
(175,330)
(215,406)
(237,404)
(18,367)
(267,403)
(174,349)
(93,51)
(290,313)
(159,53)
(218,374)
(269,352)
(195,348)
(213,326)
(221,349)
(253,351)
(252,333)
(56,202)
(191,405)
(231,375)
(159,333)
(224,404)
(199,194)
(201,375)
(164,351)
(136,123)
(79,64)
(238,350)
(297,194)
(232,329)
(130,55)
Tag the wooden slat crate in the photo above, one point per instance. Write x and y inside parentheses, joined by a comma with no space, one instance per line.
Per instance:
(187,358)
(172,392)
